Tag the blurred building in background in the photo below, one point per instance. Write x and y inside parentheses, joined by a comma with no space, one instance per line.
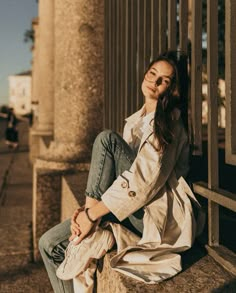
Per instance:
(20,92)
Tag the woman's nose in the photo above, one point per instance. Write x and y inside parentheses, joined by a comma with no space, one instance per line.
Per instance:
(158,81)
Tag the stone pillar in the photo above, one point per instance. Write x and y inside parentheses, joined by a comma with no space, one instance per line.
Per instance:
(34,97)
(78,115)
(78,78)
(44,82)
(33,139)
(46,66)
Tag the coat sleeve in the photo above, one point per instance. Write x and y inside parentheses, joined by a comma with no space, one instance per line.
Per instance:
(134,188)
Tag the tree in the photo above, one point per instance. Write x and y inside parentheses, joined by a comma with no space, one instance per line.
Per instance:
(29,36)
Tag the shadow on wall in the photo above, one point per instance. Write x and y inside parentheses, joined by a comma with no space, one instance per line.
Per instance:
(229,287)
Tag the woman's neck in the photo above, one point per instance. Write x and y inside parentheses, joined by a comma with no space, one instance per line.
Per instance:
(150,106)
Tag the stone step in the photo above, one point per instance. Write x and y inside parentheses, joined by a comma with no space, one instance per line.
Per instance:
(73,188)
(200,274)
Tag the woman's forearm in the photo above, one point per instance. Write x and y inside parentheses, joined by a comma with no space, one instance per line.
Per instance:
(98,210)
(90,202)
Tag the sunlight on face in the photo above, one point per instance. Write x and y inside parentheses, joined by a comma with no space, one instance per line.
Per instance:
(157,79)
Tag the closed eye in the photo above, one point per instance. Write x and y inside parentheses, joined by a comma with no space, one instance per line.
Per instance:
(153,73)
(167,81)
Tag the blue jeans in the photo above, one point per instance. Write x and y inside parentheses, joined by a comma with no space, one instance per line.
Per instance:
(111,156)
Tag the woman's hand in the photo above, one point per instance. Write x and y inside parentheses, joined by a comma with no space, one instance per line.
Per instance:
(81,226)
(74,227)
(85,226)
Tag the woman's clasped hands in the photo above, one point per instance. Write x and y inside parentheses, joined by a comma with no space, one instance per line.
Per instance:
(80,225)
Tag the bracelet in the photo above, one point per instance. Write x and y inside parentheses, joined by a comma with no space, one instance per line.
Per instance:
(87,214)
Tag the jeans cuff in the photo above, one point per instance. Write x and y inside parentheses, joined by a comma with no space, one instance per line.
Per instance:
(92,195)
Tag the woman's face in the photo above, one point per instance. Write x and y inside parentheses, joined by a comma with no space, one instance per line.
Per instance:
(157,79)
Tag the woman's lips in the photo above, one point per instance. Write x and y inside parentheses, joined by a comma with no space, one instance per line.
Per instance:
(151,89)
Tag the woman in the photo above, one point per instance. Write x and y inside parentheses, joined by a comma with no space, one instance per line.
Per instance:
(11,132)
(138,183)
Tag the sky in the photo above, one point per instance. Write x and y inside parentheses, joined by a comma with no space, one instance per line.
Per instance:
(15,54)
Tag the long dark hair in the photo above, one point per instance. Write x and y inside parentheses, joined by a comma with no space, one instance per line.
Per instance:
(176,96)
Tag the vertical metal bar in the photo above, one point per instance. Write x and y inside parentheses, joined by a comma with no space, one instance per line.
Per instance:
(230,73)
(121,60)
(106,63)
(110,67)
(172,24)
(123,73)
(133,59)
(126,56)
(140,52)
(213,223)
(183,25)
(117,112)
(154,29)
(113,82)
(129,57)
(162,25)
(212,73)
(196,76)
(147,32)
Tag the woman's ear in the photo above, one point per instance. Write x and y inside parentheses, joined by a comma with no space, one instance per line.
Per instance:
(175,92)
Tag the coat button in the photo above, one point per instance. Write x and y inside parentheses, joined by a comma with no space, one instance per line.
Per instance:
(132,193)
(124,184)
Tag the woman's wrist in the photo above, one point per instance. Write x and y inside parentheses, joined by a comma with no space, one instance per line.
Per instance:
(98,210)
(89,217)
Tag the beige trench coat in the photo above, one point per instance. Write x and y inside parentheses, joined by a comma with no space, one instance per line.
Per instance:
(155,181)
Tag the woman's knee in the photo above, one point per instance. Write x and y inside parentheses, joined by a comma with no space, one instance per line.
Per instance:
(45,242)
(105,137)
(50,239)
(52,249)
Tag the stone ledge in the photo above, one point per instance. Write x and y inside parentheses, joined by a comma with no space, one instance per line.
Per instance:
(41,132)
(108,280)
(224,257)
(200,274)
(47,166)
(73,187)
(200,271)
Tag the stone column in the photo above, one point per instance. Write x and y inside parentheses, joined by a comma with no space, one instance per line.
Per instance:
(34,97)
(78,78)
(33,139)
(78,115)
(44,84)
(46,65)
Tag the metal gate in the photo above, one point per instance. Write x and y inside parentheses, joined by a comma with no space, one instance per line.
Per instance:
(136,31)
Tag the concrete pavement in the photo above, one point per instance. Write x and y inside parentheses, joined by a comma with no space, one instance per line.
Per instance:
(17,272)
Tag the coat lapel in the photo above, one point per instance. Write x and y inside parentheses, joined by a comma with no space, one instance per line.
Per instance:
(148,132)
